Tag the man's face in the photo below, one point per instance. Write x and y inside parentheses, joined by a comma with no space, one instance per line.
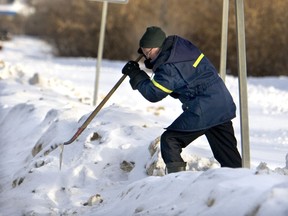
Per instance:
(150,53)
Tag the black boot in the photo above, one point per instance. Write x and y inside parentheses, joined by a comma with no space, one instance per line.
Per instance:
(175,167)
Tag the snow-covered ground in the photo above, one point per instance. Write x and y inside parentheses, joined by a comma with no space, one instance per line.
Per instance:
(114,167)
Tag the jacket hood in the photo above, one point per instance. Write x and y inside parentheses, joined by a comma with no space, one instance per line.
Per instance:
(176,49)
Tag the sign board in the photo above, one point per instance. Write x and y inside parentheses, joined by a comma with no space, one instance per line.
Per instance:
(14,8)
(8,9)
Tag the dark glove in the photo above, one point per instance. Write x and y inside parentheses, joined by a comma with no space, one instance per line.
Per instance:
(148,63)
(130,68)
(136,75)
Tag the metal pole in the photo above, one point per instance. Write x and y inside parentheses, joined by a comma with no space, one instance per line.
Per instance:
(100,50)
(242,73)
(224,36)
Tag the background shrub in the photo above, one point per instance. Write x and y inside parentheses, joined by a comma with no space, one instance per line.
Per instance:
(73,27)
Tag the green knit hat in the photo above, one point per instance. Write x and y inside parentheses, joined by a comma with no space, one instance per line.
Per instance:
(153,37)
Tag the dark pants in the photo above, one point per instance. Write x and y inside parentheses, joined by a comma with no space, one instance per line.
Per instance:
(221,140)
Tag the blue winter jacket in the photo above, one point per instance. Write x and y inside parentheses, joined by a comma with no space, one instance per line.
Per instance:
(183,72)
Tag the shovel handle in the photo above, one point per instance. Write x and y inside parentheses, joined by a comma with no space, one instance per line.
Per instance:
(99,107)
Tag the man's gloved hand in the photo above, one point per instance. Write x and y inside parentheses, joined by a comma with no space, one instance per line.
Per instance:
(148,64)
(130,68)
(136,75)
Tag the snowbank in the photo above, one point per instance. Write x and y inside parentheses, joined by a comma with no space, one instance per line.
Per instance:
(114,167)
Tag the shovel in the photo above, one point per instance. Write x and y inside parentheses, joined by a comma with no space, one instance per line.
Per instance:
(92,115)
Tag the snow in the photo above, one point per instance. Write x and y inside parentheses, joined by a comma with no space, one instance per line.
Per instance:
(45,99)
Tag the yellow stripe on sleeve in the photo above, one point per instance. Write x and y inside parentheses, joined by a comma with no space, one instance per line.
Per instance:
(198,60)
(161,87)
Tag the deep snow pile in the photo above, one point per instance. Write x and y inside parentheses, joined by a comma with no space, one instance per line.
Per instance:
(114,167)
